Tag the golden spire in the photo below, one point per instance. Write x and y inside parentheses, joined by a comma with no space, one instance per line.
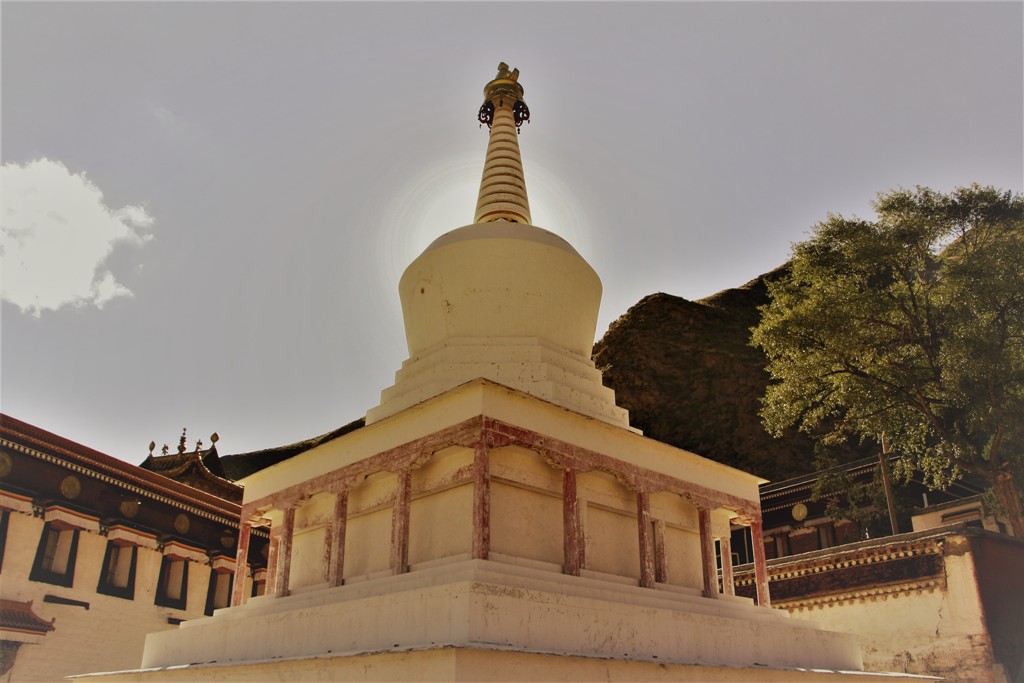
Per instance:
(502,186)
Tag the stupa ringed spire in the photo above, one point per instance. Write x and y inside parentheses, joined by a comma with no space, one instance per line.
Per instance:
(503,186)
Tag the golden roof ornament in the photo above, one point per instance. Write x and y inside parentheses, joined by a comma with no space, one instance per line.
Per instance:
(504,86)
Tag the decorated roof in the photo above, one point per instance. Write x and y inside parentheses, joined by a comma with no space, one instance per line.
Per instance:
(19,617)
(198,468)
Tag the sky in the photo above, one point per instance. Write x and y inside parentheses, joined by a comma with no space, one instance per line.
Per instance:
(207,206)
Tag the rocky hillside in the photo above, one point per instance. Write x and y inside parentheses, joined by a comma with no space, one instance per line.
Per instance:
(688,376)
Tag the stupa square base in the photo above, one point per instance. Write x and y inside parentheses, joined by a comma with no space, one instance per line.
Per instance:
(451,663)
(487,604)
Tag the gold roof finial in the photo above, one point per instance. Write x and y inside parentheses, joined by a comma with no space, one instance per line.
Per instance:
(503,187)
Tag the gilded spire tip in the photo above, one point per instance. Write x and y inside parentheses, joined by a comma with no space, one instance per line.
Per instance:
(502,187)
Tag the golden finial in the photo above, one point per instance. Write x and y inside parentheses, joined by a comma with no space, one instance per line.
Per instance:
(504,86)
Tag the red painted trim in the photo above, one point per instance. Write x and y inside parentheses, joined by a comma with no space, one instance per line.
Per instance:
(394,459)
(272,546)
(336,540)
(643,522)
(400,523)
(725,550)
(760,565)
(284,553)
(707,553)
(481,502)
(241,557)
(570,456)
(660,557)
(572,536)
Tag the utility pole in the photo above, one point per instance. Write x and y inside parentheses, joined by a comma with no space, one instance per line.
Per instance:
(887,482)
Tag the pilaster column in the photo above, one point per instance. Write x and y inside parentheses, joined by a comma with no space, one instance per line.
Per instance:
(725,550)
(572,531)
(241,557)
(643,521)
(335,539)
(481,502)
(400,523)
(707,553)
(760,564)
(660,556)
(272,550)
(283,565)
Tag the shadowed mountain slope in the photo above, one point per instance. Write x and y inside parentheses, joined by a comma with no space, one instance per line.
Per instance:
(688,376)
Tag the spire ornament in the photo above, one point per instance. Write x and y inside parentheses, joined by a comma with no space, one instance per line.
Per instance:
(504,85)
(503,187)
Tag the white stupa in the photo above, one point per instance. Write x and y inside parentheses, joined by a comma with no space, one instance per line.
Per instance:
(497,519)
(502,299)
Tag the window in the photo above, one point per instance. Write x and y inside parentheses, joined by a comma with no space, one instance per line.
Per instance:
(219,594)
(259,582)
(55,556)
(781,545)
(826,536)
(172,590)
(118,575)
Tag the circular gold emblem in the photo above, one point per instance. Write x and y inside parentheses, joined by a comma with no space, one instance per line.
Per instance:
(799,512)
(181,523)
(227,539)
(6,464)
(129,508)
(70,487)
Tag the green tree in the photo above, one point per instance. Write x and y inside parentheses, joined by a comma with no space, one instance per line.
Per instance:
(910,326)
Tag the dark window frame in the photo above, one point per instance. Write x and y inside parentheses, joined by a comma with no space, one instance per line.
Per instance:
(5,516)
(43,575)
(211,592)
(108,587)
(162,599)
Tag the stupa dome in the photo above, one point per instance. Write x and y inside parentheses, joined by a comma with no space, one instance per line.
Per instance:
(500,279)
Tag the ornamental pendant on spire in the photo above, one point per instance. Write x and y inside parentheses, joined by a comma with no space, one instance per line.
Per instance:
(503,187)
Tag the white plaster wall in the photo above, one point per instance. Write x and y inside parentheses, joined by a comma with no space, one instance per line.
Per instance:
(309,565)
(441,525)
(368,543)
(938,631)
(682,550)
(613,545)
(443,469)
(109,635)
(526,524)
(497,604)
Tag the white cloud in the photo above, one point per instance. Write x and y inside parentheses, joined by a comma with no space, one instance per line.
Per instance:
(56,235)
